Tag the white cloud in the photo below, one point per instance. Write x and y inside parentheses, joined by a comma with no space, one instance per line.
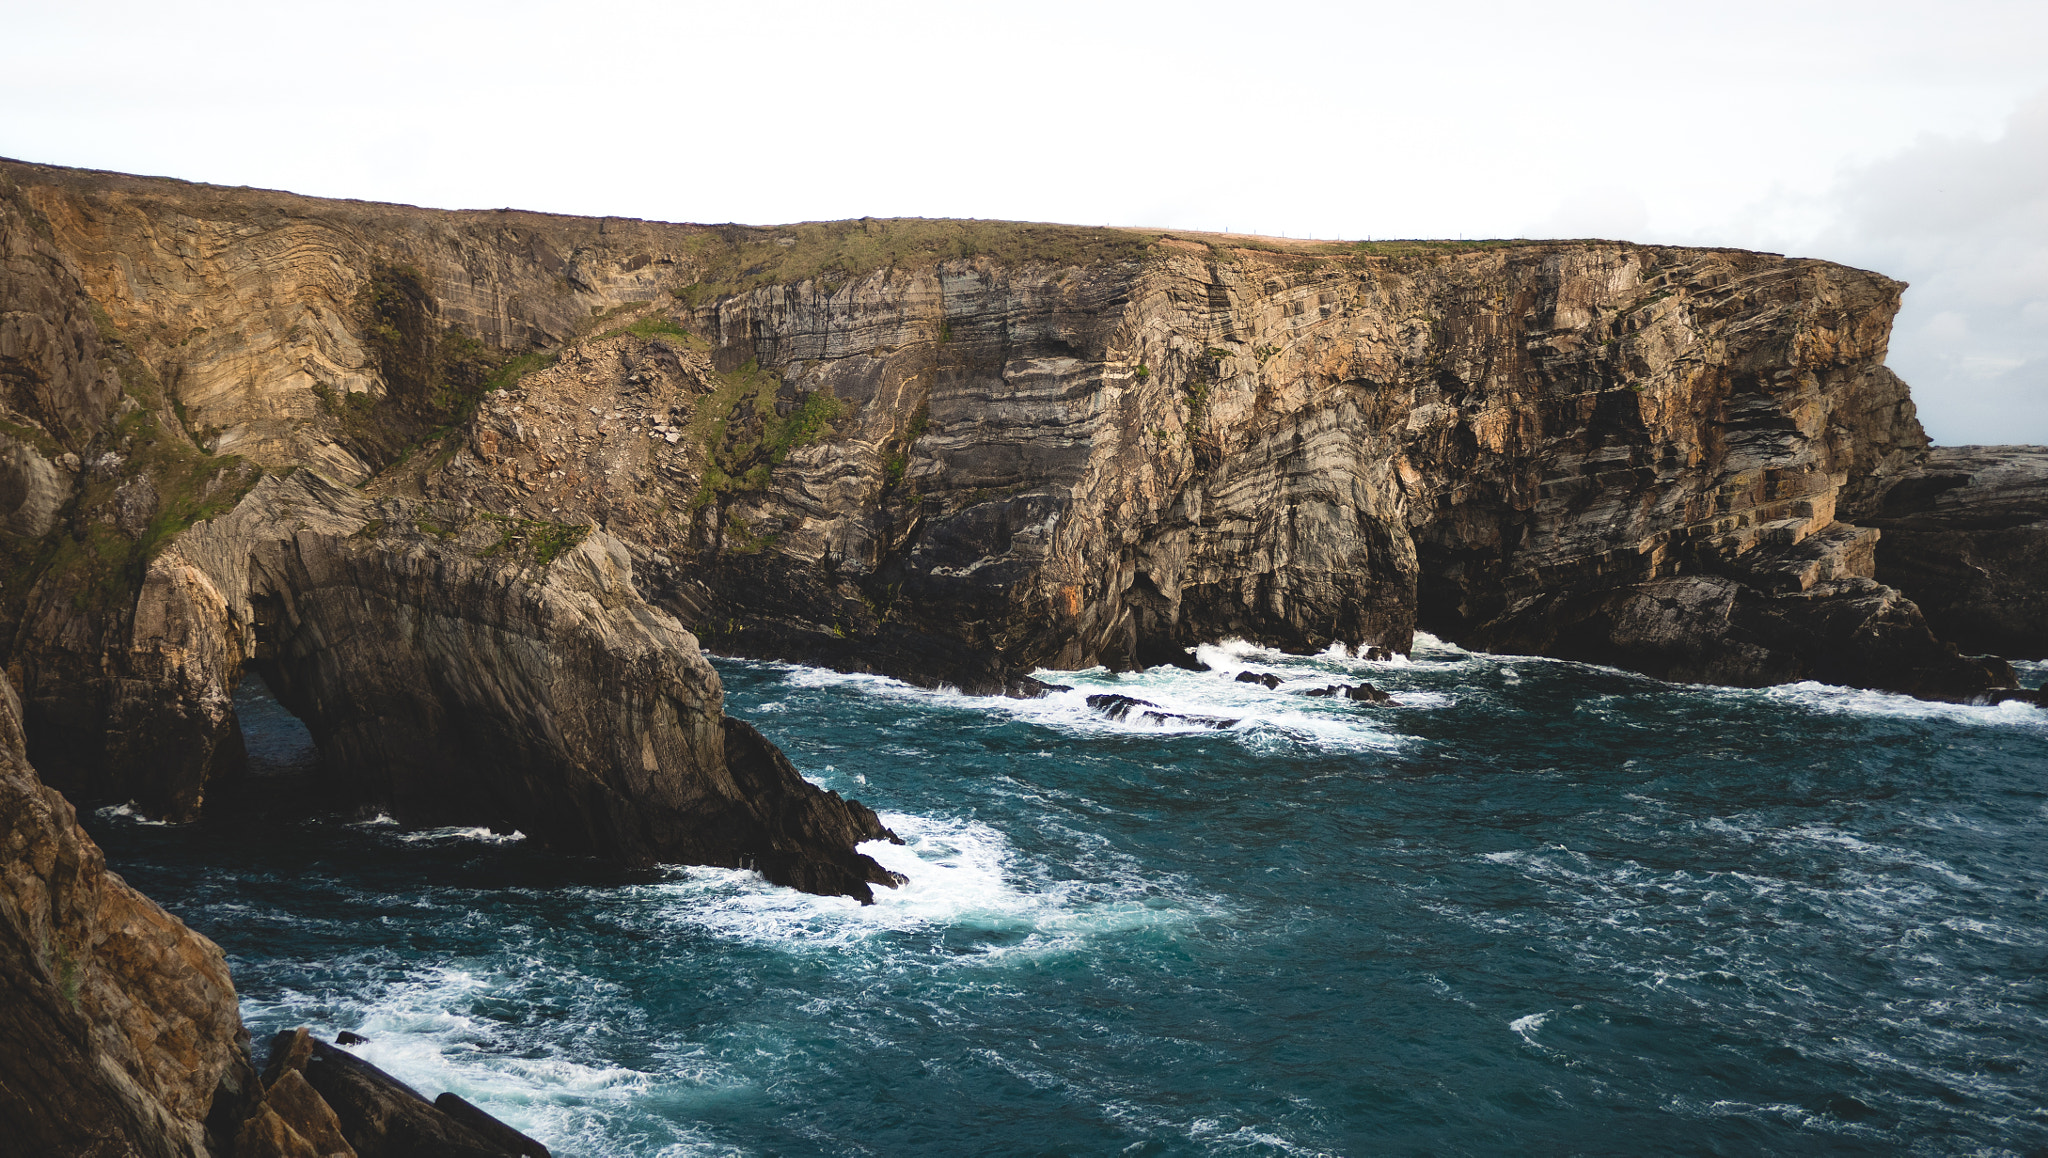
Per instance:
(1965,221)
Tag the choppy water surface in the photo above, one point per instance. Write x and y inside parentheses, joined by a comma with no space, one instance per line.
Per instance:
(1539,906)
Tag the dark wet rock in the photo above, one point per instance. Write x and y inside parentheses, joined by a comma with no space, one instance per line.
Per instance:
(349,1037)
(1846,630)
(1024,687)
(1378,654)
(382,1117)
(1264,678)
(1366,693)
(2035,696)
(513,1142)
(1362,693)
(1130,708)
(1965,535)
(803,837)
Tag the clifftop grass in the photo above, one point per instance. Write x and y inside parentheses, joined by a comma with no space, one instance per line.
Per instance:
(734,259)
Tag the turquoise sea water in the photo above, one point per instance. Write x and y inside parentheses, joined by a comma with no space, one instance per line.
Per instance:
(1538,907)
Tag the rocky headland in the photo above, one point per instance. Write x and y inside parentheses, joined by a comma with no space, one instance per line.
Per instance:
(468,488)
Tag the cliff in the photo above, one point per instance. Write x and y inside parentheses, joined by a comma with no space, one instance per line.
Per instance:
(466,488)
(455,664)
(949,451)
(1966,537)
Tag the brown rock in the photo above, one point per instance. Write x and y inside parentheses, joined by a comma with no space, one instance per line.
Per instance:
(121,1030)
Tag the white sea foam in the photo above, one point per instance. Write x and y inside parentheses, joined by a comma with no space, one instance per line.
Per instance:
(421,1029)
(1525,1026)
(1819,697)
(475,833)
(1260,718)
(131,814)
(963,874)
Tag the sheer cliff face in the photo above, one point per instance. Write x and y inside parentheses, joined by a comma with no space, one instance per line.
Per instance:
(1606,451)
(951,451)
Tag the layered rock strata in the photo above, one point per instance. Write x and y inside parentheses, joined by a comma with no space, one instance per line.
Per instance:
(954,452)
(454,663)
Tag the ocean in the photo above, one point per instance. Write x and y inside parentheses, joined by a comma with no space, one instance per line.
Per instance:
(1533,906)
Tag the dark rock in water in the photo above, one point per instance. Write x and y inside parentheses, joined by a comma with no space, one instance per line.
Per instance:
(1127,707)
(383,1117)
(1363,693)
(1378,653)
(1258,677)
(512,1140)
(348,1037)
(1024,687)
(801,839)
(1118,707)
(2038,697)
(1966,536)
(1367,693)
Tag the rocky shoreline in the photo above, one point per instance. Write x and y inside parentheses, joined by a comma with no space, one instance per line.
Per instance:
(468,489)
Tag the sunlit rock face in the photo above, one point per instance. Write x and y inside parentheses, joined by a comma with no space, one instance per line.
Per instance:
(536,458)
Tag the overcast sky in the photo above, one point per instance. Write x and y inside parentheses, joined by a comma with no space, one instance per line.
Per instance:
(1908,138)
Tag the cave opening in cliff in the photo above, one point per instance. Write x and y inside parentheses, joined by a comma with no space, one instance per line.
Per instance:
(277,742)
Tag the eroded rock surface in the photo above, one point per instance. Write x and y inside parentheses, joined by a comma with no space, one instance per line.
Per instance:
(1966,537)
(953,452)
(461,666)
(119,1023)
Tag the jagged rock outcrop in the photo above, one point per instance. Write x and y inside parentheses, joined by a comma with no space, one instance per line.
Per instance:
(120,1028)
(459,666)
(326,1101)
(1966,537)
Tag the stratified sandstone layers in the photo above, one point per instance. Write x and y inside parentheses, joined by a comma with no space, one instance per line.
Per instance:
(455,664)
(950,451)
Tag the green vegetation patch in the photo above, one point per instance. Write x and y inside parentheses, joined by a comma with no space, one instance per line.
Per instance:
(654,326)
(538,539)
(435,377)
(744,438)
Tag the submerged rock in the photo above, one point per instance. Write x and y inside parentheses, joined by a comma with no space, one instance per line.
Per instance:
(1364,693)
(1127,707)
(1264,678)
